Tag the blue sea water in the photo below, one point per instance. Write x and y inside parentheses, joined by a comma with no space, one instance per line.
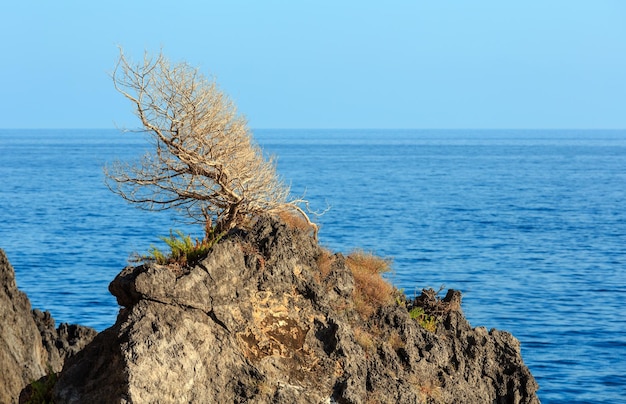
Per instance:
(529,225)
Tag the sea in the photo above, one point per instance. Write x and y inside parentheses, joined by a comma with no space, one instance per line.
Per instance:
(529,224)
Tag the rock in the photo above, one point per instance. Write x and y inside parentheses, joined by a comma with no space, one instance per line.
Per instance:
(259,320)
(62,342)
(22,355)
(29,345)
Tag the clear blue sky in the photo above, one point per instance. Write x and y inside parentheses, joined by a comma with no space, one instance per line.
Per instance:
(327,64)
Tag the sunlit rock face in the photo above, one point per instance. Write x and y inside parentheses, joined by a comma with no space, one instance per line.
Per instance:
(269,316)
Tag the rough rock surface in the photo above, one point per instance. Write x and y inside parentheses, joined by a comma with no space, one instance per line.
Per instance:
(29,344)
(62,342)
(22,356)
(260,321)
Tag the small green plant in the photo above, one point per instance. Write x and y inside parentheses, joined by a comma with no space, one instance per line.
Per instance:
(183,250)
(416,313)
(426,321)
(41,390)
(400,297)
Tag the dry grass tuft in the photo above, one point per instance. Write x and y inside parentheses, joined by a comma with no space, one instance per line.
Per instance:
(429,387)
(430,391)
(371,291)
(325,262)
(395,340)
(364,339)
(368,262)
(295,221)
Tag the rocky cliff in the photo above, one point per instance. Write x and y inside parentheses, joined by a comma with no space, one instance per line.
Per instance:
(30,345)
(271,317)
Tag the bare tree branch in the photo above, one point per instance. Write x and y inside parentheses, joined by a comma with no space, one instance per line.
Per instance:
(204,162)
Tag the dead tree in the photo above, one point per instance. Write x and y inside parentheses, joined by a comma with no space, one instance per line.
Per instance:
(204,161)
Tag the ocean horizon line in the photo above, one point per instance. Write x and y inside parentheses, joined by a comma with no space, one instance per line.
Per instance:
(325,129)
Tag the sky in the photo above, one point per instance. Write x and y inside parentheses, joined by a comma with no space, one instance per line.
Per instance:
(479,64)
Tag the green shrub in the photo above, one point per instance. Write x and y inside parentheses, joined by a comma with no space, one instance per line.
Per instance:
(426,321)
(183,250)
(41,390)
